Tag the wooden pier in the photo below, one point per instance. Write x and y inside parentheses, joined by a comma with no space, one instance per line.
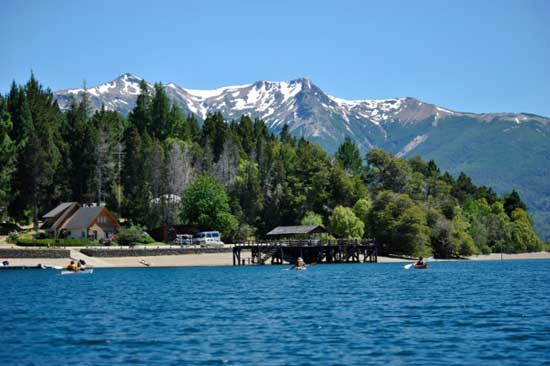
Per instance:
(311,251)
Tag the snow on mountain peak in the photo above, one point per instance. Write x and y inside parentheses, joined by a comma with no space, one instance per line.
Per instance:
(202,94)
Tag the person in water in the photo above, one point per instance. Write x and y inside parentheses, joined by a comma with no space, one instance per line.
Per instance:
(420,262)
(300,263)
(72,267)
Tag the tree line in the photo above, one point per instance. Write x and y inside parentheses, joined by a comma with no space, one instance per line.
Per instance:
(159,166)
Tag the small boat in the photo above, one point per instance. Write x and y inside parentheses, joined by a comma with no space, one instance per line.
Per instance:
(38,266)
(419,266)
(300,268)
(83,271)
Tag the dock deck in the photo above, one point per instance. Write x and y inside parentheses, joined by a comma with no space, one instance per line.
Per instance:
(311,251)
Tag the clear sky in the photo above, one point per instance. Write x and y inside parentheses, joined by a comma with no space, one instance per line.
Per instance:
(479,56)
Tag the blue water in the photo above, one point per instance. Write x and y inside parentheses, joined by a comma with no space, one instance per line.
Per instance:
(454,313)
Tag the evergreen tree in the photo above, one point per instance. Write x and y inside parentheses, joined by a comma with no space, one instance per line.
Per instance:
(7,156)
(84,139)
(513,201)
(192,129)
(160,126)
(348,154)
(137,196)
(39,159)
(176,123)
(285,136)
(140,116)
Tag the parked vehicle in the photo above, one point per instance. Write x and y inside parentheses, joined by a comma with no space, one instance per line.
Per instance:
(206,238)
(183,239)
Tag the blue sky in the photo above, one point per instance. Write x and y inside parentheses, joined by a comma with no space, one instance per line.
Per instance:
(479,56)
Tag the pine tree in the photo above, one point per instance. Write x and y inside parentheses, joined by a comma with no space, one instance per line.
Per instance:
(7,156)
(21,117)
(39,159)
(140,116)
(192,129)
(160,111)
(176,123)
(84,141)
(214,132)
(350,157)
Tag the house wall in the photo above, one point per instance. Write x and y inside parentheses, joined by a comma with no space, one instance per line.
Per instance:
(101,234)
(80,233)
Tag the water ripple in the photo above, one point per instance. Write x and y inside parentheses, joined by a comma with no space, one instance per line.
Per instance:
(461,313)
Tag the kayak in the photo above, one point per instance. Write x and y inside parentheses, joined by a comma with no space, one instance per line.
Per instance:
(84,271)
(416,266)
(38,266)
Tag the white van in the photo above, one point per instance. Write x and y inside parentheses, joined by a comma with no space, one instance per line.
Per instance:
(208,238)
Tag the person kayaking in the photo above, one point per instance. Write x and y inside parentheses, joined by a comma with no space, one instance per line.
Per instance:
(300,263)
(81,265)
(421,263)
(72,267)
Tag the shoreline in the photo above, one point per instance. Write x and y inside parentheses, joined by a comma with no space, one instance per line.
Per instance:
(224,259)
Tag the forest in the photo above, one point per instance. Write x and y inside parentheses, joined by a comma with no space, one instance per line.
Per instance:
(158,166)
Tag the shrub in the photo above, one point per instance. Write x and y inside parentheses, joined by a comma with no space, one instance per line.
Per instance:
(485,249)
(13,237)
(56,242)
(133,235)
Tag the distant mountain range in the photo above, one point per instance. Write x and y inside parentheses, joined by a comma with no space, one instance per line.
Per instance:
(502,150)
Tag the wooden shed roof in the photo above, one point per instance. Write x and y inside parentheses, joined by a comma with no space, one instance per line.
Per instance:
(297,230)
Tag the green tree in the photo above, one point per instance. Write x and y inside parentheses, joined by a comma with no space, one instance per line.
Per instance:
(135,180)
(348,154)
(513,201)
(312,218)
(285,136)
(399,225)
(39,159)
(161,124)
(361,209)
(344,224)
(387,172)
(140,116)
(7,156)
(206,204)
(524,237)
(83,140)
(214,133)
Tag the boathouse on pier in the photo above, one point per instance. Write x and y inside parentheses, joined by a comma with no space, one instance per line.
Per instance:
(287,243)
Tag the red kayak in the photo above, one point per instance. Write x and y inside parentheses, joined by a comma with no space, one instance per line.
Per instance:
(421,266)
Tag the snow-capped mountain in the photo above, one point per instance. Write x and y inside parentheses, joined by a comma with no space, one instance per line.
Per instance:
(307,110)
(502,150)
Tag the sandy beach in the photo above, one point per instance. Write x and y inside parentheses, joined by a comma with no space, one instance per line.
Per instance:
(217,259)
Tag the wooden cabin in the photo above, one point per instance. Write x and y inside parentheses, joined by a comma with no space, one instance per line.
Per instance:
(56,218)
(95,223)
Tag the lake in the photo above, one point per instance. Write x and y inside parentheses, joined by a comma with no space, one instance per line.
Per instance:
(454,313)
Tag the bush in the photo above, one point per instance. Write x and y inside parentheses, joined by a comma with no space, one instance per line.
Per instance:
(146,239)
(133,235)
(485,249)
(13,237)
(56,242)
